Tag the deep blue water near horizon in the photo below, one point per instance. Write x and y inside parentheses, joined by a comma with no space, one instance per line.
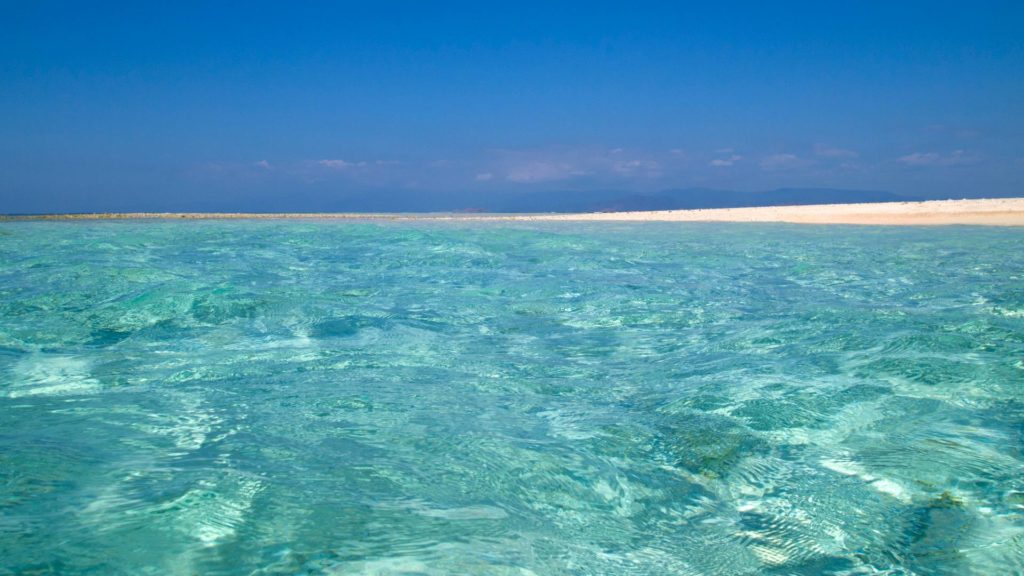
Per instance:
(319,397)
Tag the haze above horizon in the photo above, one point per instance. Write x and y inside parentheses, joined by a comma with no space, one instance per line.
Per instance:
(212,106)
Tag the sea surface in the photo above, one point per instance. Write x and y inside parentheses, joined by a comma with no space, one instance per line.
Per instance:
(322,397)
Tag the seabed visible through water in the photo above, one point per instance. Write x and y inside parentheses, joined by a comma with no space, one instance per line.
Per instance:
(307,397)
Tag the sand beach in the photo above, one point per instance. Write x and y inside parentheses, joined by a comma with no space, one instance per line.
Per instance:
(984,212)
(992,212)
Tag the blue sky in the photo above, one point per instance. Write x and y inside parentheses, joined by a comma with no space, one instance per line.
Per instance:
(178,105)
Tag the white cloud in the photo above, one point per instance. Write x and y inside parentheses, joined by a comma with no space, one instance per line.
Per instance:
(378,172)
(648,168)
(920,158)
(777,161)
(954,158)
(533,172)
(338,164)
(531,166)
(484,176)
(721,162)
(832,152)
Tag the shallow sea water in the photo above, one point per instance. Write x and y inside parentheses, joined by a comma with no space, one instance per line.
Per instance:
(319,397)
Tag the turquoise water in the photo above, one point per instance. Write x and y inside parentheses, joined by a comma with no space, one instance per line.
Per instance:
(276,397)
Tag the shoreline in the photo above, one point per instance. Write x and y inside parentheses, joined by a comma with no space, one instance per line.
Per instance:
(983,212)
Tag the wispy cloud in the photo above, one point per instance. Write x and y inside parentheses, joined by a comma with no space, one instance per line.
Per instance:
(723,162)
(648,168)
(552,165)
(364,172)
(954,158)
(484,177)
(826,151)
(533,172)
(781,161)
(338,164)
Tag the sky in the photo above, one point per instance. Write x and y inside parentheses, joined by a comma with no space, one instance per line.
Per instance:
(313,105)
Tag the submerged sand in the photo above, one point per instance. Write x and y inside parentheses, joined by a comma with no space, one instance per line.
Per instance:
(988,212)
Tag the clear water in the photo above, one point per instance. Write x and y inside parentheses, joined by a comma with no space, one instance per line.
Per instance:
(275,397)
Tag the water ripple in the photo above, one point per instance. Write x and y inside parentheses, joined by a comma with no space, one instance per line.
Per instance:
(267,397)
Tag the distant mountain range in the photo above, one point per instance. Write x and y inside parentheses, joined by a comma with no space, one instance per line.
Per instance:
(611,200)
